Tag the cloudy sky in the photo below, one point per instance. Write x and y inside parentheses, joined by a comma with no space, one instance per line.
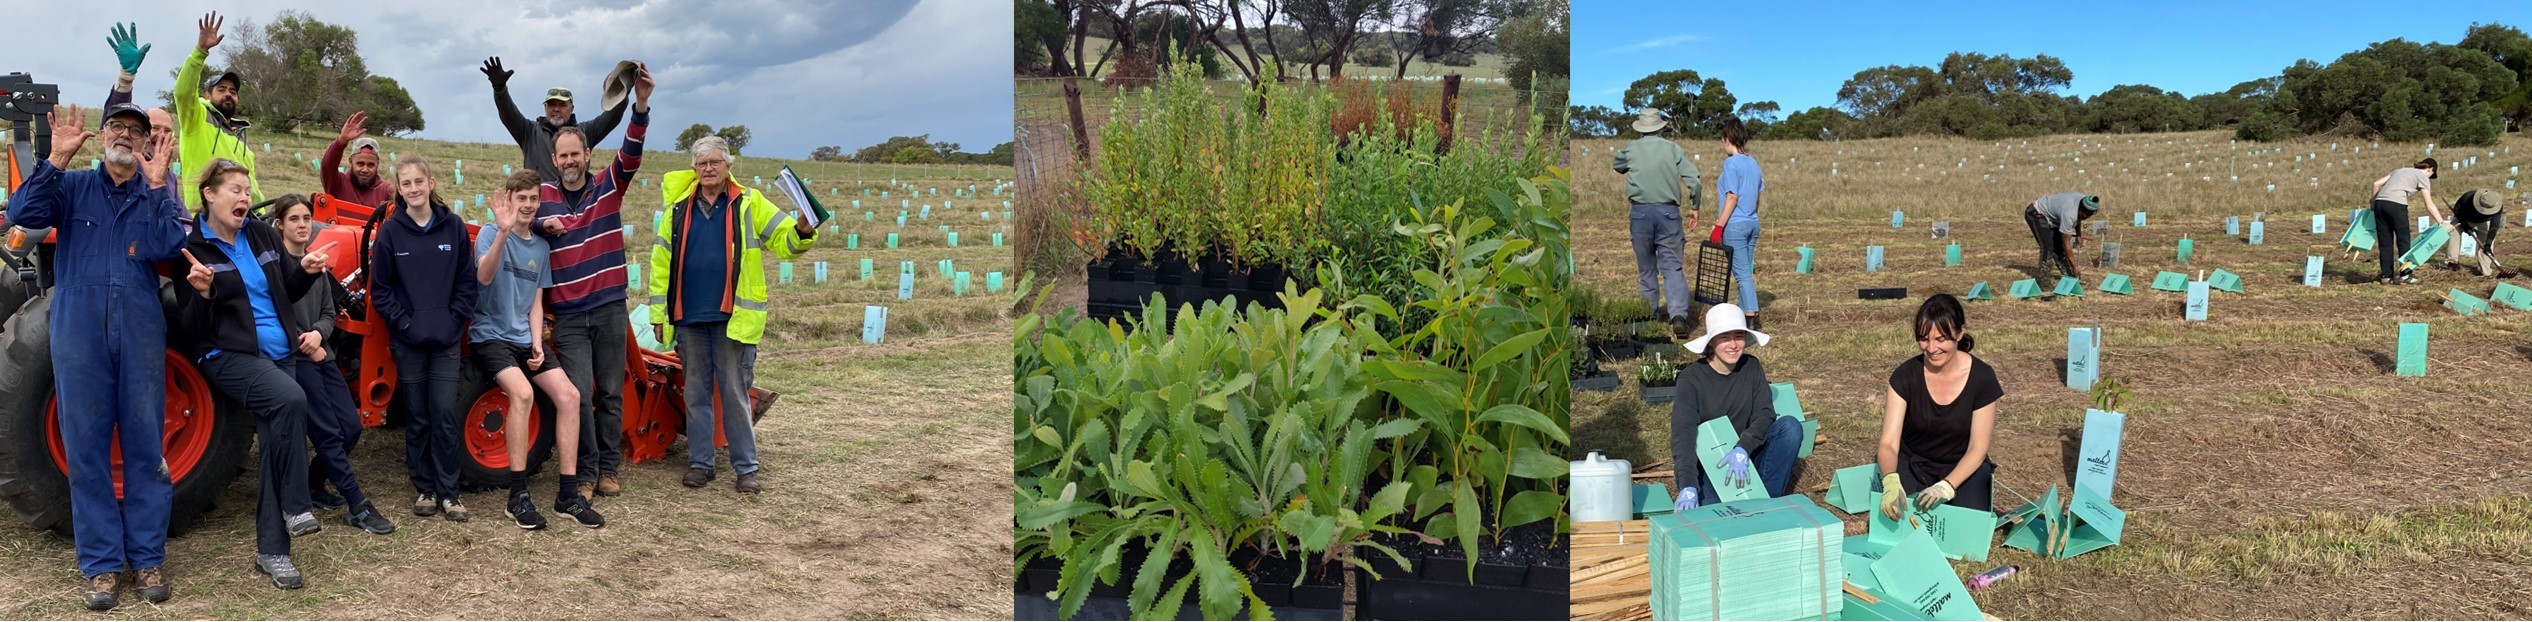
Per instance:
(798,73)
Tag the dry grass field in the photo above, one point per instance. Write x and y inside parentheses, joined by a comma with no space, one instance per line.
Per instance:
(2274,467)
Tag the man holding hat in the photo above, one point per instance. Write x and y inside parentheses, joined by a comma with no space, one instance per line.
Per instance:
(2476,214)
(536,139)
(206,114)
(1656,171)
(360,184)
(2054,220)
(113,224)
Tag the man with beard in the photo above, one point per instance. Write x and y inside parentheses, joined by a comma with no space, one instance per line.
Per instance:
(206,114)
(109,372)
(581,216)
(536,139)
(360,184)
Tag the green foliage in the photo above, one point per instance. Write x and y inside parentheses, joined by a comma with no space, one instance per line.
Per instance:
(1657,372)
(1382,178)
(1537,45)
(299,72)
(1037,31)
(1817,123)
(2401,91)
(686,139)
(1697,105)
(2110,393)
(2131,108)
(1182,176)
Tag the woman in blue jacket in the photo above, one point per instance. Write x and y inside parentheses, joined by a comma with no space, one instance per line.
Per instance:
(421,279)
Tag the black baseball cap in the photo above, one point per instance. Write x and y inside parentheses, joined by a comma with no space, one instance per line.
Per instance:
(127,108)
(225,76)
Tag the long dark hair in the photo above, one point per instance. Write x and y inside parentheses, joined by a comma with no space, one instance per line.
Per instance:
(1942,314)
(2428,165)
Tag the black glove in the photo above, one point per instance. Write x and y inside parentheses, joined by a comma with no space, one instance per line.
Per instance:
(492,71)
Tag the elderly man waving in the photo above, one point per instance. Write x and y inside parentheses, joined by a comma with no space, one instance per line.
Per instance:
(708,273)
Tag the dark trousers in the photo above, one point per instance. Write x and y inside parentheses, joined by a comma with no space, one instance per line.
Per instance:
(1773,462)
(2391,236)
(281,427)
(1976,493)
(333,427)
(2052,243)
(109,373)
(426,380)
(590,345)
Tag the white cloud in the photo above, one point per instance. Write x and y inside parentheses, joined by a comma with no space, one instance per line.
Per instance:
(798,73)
(1663,42)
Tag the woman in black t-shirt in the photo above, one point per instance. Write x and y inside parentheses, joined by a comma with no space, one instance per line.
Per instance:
(1939,416)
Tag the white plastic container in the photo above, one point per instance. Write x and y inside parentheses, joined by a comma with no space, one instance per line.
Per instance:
(1601,490)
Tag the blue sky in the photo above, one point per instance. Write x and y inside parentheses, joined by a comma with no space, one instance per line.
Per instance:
(1797,54)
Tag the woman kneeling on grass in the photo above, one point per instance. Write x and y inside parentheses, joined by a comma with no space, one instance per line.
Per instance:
(1938,417)
(1729,382)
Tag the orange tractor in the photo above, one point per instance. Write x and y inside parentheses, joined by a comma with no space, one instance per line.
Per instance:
(208,437)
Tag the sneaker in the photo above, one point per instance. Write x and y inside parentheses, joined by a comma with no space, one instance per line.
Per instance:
(154,585)
(453,510)
(524,513)
(747,483)
(2408,279)
(285,574)
(303,524)
(101,590)
(324,500)
(368,519)
(696,478)
(609,486)
(424,505)
(580,512)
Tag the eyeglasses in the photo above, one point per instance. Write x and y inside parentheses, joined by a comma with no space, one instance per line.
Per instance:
(704,163)
(127,128)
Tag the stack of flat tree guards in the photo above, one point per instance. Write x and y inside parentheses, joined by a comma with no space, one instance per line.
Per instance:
(1760,559)
(1611,578)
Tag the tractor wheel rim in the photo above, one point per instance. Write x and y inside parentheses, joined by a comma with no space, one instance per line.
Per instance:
(491,448)
(185,434)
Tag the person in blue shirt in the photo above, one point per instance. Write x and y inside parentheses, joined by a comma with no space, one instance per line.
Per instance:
(1739,187)
(111,229)
(237,332)
(513,266)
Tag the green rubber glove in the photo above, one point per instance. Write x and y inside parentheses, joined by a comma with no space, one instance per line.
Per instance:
(127,47)
(1893,500)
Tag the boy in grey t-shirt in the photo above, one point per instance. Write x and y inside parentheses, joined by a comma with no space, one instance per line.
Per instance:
(514,267)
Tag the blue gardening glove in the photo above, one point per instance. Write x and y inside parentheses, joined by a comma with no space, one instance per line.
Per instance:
(1736,466)
(127,47)
(1687,500)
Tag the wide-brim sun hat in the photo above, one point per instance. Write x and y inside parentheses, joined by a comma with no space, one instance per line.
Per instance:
(1651,120)
(2486,202)
(619,84)
(1725,318)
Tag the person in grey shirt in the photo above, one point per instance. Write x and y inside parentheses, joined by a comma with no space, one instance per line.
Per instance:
(2392,194)
(1658,175)
(2054,220)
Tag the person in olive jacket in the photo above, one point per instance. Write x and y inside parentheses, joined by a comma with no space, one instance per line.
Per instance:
(422,281)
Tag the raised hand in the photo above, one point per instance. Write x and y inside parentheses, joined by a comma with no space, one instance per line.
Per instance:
(492,70)
(354,127)
(210,35)
(127,47)
(162,152)
(317,260)
(642,85)
(70,132)
(200,277)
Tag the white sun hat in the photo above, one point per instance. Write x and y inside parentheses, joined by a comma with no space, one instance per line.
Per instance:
(1724,318)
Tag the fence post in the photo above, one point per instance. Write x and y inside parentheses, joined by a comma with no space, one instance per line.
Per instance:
(1081,131)
(1450,112)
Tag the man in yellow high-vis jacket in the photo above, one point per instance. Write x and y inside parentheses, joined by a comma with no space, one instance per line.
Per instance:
(708,281)
(207,126)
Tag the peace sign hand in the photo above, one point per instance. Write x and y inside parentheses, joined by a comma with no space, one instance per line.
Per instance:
(200,277)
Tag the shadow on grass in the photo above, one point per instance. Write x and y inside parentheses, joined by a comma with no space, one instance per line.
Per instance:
(1618,431)
(2382,362)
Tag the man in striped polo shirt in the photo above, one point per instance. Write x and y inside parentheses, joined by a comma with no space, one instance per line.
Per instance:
(580,215)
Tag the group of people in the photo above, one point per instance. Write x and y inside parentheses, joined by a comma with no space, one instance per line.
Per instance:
(1659,175)
(256,309)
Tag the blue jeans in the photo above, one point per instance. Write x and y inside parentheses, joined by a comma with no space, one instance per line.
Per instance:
(716,364)
(1742,235)
(1774,461)
(1655,231)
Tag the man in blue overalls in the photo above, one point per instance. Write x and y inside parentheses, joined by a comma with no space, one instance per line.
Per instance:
(109,338)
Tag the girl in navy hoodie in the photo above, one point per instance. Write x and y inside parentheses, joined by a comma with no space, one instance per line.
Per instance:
(421,279)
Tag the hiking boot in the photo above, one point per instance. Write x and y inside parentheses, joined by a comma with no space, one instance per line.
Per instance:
(368,519)
(285,574)
(318,496)
(609,486)
(696,478)
(1753,321)
(580,512)
(154,586)
(303,524)
(453,510)
(101,590)
(1681,328)
(424,505)
(587,490)
(524,513)
(747,484)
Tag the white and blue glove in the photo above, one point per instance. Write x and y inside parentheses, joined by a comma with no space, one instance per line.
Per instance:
(1736,467)
(127,47)
(1687,500)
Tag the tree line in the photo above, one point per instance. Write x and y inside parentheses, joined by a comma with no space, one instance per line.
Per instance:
(1291,38)
(2470,92)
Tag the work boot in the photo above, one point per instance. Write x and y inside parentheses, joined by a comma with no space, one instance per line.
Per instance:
(303,524)
(101,590)
(1753,321)
(425,505)
(1681,328)
(453,510)
(587,490)
(285,574)
(154,585)
(747,484)
(696,478)
(367,518)
(609,486)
